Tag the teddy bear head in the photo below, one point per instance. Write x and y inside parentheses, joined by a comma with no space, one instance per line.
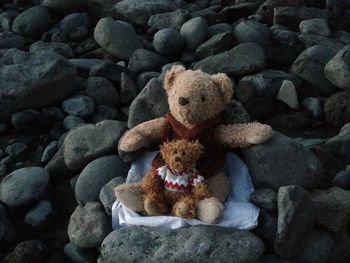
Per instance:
(195,96)
(181,155)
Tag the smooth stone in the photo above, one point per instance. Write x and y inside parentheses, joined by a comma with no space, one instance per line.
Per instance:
(75,26)
(267,227)
(107,195)
(11,40)
(339,144)
(88,225)
(65,6)
(105,112)
(168,41)
(316,26)
(3,169)
(248,31)
(38,213)
(108,70)
(172,20)
(7,231)
(77,254)
(16,149)
(24,186)
(342,180)
(265,198)
(145,60)
(49,151)
(61,48)
(128,89)
(337,109)
(71,122)
(145,77)
(102,91)
(81,106)
(194,32)
(219,28)
(313,106)
(28,251)
(31,121)
(289,95)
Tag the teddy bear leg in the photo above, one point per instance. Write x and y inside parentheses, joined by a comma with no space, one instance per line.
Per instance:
(154,208)
(185,208)
(130,195)
(210,210)
(219,186)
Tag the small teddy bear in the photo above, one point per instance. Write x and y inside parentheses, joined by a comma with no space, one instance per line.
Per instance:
(176,186)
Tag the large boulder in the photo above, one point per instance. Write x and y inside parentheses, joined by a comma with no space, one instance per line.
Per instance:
(45,79)
(282,161)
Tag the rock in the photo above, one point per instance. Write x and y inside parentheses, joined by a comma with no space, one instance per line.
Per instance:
(24,186)
(88,142)
(16,149)
(7,230)
(168,41)
(107,195)
(339,144)
(3,169)
(272,258)
(243,59)
(28,251)
(268,82)
(81,106)
(337,70)
(145,60)
(295,220)
(270,166)
(252,31)
(31,121)
(235,12)
(235,113)
(104,112)
(11,40)
(96,174)
(342,180)
(216,244)
(138,12)
(43,70)
(337,109)
(292,16)
(108,70)
(267,227)
(194,32)
(49,151)
(77,254)
(316,26)
(61,48)
(102,91)
(309,66)
(172,20)
(288,94)
(71,122)
(75,26)
(88,225)
(65,6)
(33,22)
(332,208)
(145,77)
(218,43)
(116,37)
(313,106)
(38,213)
(265,198)
(219,28)
(128,89)
(340,251)
(143,107)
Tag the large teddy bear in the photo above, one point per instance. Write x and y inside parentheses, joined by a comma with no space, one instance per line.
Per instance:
(197,102)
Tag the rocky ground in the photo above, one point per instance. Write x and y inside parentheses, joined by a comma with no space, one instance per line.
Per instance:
(75,74)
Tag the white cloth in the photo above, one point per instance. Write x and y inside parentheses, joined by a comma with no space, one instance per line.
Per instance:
(239,212)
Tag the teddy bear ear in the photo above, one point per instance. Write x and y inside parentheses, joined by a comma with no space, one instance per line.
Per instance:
(171,74)
(225,85)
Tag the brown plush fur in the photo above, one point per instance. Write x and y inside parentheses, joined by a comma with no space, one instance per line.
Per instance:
(181,156)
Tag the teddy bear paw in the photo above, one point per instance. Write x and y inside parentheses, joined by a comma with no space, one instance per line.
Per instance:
(259,133)
(153,208)
(210,210)
(184,210)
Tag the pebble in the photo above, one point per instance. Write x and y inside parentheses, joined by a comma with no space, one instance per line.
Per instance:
(342,180)
(128,89)
(107,195)
(38,213)
(104,112)
(219,28)
(288,94)
(3,169)
(7,231)
(61,48)
(337,109)
(168,41)
(64,6)
(31,121)
(313,106)
(315,26)
(49,151)
(265,198)
(172,20)
(11,40)
(194,32)
(28,251)
(102,91)
(75,26)
(145,60)
(81,106)
(71,122)
(253,31)
(77,254)
(16,149)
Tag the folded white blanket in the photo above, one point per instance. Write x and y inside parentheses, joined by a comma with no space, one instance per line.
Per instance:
(239,212)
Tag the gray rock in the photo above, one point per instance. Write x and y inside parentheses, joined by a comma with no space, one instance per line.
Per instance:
(108,70)
(272,258)
(3,127)
(3,169)
(218,43)
(86,64)
(265,198)
(312,40)
(11,40)
(292,16)
(75,26)
(235,113)
(107,195)
(168,41)
(337,109)
(295,220)
(16,149)
(88,225)
(116,37)
(332,208)
(270,164)
(7,230)
(215,245)
(339,144)
(313,106)
(145,60)
(267,227)
(31,121)
(138,12)
(144,108)
(81,106)
(219,28)
(194,32)
(61,48)
(24,186)
(172,20)
(309,66)
(38,213)
(71,122)
(288,94)
(337,70)
(42,70)
(145,77)
(77,254)
(340,251)
(104,112)
(28,251)
(252,31)
(316,26)
(96,174)
(102,91)
(128,89)
(342,180)
(33,22)
(243,59)
(88,142)
(49,151)
(65,6)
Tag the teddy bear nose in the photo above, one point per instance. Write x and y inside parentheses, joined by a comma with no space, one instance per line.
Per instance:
(177,159)
(183,101)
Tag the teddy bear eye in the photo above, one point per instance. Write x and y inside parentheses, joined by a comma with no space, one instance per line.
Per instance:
(175,151)
(183,153)
(202,98)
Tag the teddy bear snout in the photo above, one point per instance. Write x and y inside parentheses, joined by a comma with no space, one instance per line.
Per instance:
(183,101)
(177,159)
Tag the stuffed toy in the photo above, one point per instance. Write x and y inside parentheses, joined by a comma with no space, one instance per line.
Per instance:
(176,186)
(197,102)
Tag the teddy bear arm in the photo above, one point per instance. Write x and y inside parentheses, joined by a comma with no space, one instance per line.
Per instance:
(153,187)
(143,135)
(200,192)
(243,135)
